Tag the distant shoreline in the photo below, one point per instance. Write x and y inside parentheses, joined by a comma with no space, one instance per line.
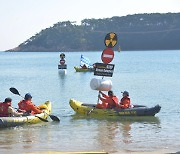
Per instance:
(142,32)
(101,50)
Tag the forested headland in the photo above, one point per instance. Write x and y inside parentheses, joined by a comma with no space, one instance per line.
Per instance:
(135,32)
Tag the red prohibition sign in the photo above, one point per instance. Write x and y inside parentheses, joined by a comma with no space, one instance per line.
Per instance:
(107,55)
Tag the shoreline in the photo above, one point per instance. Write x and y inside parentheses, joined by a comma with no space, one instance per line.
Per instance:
(163,151)
(94,51)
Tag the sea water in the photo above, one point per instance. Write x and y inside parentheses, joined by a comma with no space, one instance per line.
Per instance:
(151,77)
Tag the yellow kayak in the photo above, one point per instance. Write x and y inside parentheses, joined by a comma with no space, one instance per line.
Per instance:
(90,109)
(80,69)
(30,119)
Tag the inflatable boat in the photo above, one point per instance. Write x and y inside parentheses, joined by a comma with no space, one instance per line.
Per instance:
(90,109)
(30,119)
(80,69)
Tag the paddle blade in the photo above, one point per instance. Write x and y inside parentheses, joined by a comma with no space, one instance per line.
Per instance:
(54,118)
(14,91)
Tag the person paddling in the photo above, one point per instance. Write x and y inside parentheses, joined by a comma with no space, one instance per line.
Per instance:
(28,106)
(84,67)
(109,102)
(125,101)
(6,110)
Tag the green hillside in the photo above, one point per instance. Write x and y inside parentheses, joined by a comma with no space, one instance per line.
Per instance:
(135,32)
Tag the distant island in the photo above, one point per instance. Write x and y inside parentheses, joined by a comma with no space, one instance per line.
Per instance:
(135,32)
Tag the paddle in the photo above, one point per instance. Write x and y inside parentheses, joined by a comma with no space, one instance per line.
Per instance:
(53,117)
(95,106)
(15,91)
(42,119)
(97,102)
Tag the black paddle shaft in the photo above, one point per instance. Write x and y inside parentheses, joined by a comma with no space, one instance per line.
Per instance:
(42,119)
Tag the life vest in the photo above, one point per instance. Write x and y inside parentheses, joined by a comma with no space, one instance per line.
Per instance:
(84,66)
(109,102)
(4,109)
(125,102)
(114,103)
(102,106)
(115,99)
(28,106)
(62,61)
(24,105)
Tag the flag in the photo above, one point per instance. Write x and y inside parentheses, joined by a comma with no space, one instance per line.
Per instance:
(85,61)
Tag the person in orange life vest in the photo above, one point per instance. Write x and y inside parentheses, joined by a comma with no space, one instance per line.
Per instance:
(6,110)
(84,66)
(125,101)
(109,102)
(28,106)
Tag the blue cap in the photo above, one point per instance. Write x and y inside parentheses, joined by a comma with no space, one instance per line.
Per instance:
(125,93)
(27,96)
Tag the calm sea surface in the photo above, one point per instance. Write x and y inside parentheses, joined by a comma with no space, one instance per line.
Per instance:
(151,77)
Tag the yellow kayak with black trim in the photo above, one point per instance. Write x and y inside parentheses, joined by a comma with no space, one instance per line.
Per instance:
(30,119)
(80,69)
(90,109)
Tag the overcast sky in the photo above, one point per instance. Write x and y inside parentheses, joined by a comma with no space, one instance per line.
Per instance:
(21,19)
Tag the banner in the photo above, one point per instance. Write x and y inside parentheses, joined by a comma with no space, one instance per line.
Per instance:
(102,69)
(62,66)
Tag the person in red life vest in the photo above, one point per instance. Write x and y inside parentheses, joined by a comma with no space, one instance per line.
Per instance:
(109,102)
(6,110)
(125,101)
(28,106)
(84,66)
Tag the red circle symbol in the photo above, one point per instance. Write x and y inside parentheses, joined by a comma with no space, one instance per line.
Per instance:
(107,55)
(62,61)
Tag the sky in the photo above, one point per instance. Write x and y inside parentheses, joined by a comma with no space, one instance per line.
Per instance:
(21,19)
